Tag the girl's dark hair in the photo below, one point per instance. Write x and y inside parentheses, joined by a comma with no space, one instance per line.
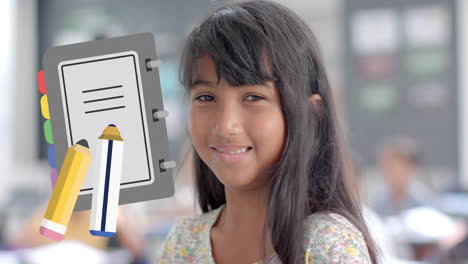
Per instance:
(253,42)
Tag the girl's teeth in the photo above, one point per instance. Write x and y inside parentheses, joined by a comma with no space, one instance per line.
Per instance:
(234,152)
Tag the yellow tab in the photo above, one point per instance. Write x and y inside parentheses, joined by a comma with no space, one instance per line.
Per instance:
(45,107)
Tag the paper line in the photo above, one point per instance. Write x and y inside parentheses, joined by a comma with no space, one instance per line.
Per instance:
(104,88)
(104,109)
(103,99)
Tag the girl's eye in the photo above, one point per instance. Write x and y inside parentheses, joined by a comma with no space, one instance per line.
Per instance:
(199,98)
(206,98)
(255,96)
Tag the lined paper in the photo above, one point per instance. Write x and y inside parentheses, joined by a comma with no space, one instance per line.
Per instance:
(103,90)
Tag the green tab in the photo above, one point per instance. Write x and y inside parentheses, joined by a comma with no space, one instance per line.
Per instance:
(48,132)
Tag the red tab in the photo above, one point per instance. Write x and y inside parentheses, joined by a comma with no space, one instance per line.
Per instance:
(41,82)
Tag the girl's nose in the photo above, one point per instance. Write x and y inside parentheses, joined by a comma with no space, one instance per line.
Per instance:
(228,121)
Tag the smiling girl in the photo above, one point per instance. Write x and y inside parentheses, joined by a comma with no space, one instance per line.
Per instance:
(269,166)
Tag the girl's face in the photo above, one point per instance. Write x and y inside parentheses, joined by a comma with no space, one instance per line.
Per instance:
(224,119)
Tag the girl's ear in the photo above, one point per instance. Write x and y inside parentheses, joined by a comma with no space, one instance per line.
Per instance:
(316,101)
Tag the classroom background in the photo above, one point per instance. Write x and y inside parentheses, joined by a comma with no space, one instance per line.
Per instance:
(399,71)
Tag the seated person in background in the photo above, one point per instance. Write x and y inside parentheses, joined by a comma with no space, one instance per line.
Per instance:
(400,162)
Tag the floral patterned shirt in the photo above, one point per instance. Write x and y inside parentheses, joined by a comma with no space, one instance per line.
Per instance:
(329,238)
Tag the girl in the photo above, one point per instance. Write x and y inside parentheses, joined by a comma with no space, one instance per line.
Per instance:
(269,169)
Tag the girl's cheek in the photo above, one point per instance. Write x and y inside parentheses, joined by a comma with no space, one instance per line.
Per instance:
(198,124)
(267,121)
(192,124)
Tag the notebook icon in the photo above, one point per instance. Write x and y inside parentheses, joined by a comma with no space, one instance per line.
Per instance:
(111,81)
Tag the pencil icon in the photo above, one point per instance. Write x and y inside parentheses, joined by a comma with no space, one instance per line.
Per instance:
(66,191)
(105,200)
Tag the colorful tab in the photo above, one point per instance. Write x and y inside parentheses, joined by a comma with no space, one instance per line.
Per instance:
(41,82)
(48,132)
(53,177)
(45,107)
(51,156)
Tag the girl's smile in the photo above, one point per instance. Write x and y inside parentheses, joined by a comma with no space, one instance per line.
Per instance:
(232,153)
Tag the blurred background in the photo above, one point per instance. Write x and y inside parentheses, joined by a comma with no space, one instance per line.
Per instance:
(399,70)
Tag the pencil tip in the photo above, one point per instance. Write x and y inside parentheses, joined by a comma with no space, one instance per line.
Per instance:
(112,125)
(83,143)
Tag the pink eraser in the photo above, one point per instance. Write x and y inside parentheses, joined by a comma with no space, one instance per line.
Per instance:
(50,234)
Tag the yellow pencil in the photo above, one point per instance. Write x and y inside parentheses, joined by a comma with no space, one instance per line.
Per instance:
(66,191)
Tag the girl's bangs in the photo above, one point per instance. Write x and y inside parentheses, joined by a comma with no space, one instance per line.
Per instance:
(238,46)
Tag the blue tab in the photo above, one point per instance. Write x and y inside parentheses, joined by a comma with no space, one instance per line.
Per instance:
(51,156)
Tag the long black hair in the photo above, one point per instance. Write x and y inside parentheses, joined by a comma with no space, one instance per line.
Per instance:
(258,41)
